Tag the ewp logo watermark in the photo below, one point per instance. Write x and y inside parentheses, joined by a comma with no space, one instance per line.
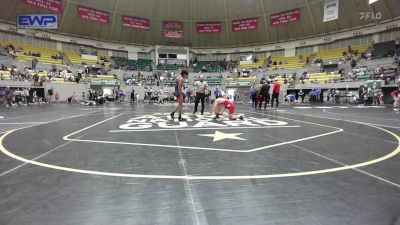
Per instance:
(370,15)
(37,21)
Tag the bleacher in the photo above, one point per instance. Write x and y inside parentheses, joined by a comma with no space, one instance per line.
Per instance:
(322,78)
(256,65)
(105,77)
(5,75)
(143,64)
(120,62)
(241,82)
(169,81)
(167,67)
(287,62)
(209,66)
(76,59)
(337,54)
(280,79)
(381,50)
(214,81)
(45,53)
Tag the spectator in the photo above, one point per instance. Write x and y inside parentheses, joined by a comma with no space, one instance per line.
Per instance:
(396,97)
(208,96)
(375,96)
(362,91)
(217,92)
(57,97)
(188,93)
(332,95)
(313,96)
(318,95)
(122,96)
(253,95)
(6,93)
(381,98)
(301,95)
(79,71)
(275,93)
(265,94)
(35,97)
(35,79)
(50,93)
(34,63)
(133,95)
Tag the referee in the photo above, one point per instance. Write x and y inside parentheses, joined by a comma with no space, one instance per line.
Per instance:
(201,86)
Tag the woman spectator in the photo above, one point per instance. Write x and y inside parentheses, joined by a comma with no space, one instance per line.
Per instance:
(381,98)
(35,97)
(396,97)
(375,96)
(57,97)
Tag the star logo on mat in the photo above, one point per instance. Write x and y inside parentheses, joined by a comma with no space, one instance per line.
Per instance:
(218,136)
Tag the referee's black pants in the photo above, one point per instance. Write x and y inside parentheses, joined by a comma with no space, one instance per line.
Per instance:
(202,97)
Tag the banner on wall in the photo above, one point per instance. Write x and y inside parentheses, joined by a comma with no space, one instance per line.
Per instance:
(285,17)
(331,10)
(208,27)
(235,83)
(374,84)
(93,14)
(245,24)
(173,29)
(104,82)
(51,5)
(37,21)
(136,22)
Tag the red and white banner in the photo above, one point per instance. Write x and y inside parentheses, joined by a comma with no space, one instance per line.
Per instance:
(136,22)
(208,27)
(51,5)
(173,29)
(93,14)
(285,17)
(173,34)
(245,24)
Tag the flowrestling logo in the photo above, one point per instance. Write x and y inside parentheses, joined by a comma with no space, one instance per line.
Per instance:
(162,121)
(37,21)
(370,15)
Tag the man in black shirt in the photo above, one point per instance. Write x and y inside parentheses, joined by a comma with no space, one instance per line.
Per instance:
(133,95)
(50,93)
(362,91)
(264,92)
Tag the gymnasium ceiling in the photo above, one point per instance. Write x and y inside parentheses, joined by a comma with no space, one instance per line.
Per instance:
(192,11)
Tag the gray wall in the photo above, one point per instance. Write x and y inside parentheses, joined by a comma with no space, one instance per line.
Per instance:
(328,85)
(191,12)
(67,90)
